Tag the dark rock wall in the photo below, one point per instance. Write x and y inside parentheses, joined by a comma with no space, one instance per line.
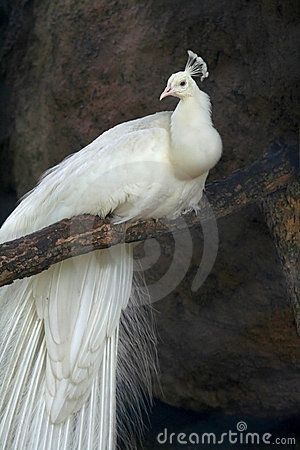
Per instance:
(72,69)
(232,345)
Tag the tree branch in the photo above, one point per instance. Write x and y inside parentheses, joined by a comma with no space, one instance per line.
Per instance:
(36,252)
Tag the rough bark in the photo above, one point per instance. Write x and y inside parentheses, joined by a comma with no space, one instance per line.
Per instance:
(34,253)
(281,211)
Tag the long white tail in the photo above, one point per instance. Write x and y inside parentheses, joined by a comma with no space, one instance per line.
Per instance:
(73,345)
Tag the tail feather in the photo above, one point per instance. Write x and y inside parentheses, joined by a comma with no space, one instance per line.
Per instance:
(137,364)
(36,380)
(14,342)
(89,285)
(20,379)
(117,386)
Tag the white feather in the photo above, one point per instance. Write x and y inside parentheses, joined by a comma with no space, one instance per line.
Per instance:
(196,66)
(77,338)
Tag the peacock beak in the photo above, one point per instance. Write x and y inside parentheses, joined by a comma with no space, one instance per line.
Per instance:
(166,92)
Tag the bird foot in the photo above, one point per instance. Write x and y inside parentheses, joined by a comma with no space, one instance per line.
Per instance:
(196,209)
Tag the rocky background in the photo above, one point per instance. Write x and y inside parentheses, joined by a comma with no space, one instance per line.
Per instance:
(71,69)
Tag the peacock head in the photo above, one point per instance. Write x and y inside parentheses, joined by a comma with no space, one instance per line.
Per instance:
(181,84)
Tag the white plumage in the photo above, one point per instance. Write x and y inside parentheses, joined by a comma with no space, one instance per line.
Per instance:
(71,331)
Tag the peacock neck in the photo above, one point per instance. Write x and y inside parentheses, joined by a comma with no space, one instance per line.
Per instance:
(189,126)
(193,111)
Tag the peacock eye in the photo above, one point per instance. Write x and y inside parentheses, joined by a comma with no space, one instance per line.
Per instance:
(183,83)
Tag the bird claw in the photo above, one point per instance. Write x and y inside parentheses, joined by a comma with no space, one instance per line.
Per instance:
(196,209)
